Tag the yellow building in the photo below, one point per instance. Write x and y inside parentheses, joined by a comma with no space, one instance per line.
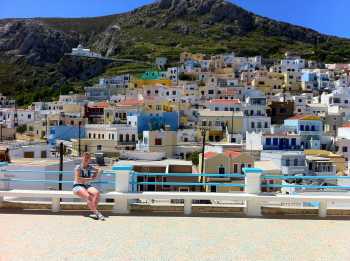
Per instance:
(229,162)
(159,141)
(140,83)
(185,56)
(292,82)
(218,122)
(159,105)
(270,83)
(338,160)
(73,108)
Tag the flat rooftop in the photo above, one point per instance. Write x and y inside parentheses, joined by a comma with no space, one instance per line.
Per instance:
(164,162)
(36,161)
(77,237)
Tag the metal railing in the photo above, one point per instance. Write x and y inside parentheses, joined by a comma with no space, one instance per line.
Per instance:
(201,177)
(304,186)
(22,172)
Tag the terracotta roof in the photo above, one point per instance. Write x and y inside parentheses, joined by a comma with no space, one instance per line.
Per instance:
(102,104)
(131,102)
(346,125)
(232,153)
(225,101)
(304,117)
(228,153)
(210,154)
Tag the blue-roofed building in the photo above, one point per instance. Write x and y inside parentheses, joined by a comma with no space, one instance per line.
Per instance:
(146,121)
(309,127)
(65,132)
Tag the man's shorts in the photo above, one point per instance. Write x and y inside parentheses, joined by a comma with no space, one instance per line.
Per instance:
(78,187)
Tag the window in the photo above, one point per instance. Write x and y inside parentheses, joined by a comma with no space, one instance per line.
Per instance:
(275,141)
(253,125)
(295,162)
(121,137)
(28,154)
(302,127)
(99,147)
(345,149)
(43,154)
(235,168)
(268,141)
(158,142)
(294,142)
(127,138)
(287,162)
(221,170)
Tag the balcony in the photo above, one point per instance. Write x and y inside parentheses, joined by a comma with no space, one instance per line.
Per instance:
(282,147)
(310,133)
(292,170)
(323,170)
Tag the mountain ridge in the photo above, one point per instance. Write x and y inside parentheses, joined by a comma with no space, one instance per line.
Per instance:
(33,49)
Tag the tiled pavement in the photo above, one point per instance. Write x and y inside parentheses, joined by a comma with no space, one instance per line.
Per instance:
(44,236)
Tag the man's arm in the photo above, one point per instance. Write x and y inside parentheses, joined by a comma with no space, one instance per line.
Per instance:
(80,179)
(97,173)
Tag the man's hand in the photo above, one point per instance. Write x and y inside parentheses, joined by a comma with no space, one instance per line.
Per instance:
(97,173)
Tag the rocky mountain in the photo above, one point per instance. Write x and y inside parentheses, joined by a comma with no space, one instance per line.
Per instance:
(33,64)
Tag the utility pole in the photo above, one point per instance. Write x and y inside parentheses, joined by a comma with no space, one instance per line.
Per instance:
(47,135)
(204,132)
(1,132)
(233,116)
(79,143)
(61,167)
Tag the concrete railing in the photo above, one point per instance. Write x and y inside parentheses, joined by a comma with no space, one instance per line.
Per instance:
(252,196)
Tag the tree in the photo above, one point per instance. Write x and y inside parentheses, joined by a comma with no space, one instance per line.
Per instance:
(21,129)
(195,158)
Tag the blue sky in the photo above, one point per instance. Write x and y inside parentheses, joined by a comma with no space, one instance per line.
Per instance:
(326,16)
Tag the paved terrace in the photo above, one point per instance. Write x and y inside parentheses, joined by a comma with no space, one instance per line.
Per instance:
(73,236)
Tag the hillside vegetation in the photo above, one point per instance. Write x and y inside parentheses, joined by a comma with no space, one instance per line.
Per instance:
(33,64)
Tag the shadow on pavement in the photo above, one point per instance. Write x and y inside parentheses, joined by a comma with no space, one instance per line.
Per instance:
(107,214)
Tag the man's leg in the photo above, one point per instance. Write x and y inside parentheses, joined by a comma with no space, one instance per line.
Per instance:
(84,194)
(95,195)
